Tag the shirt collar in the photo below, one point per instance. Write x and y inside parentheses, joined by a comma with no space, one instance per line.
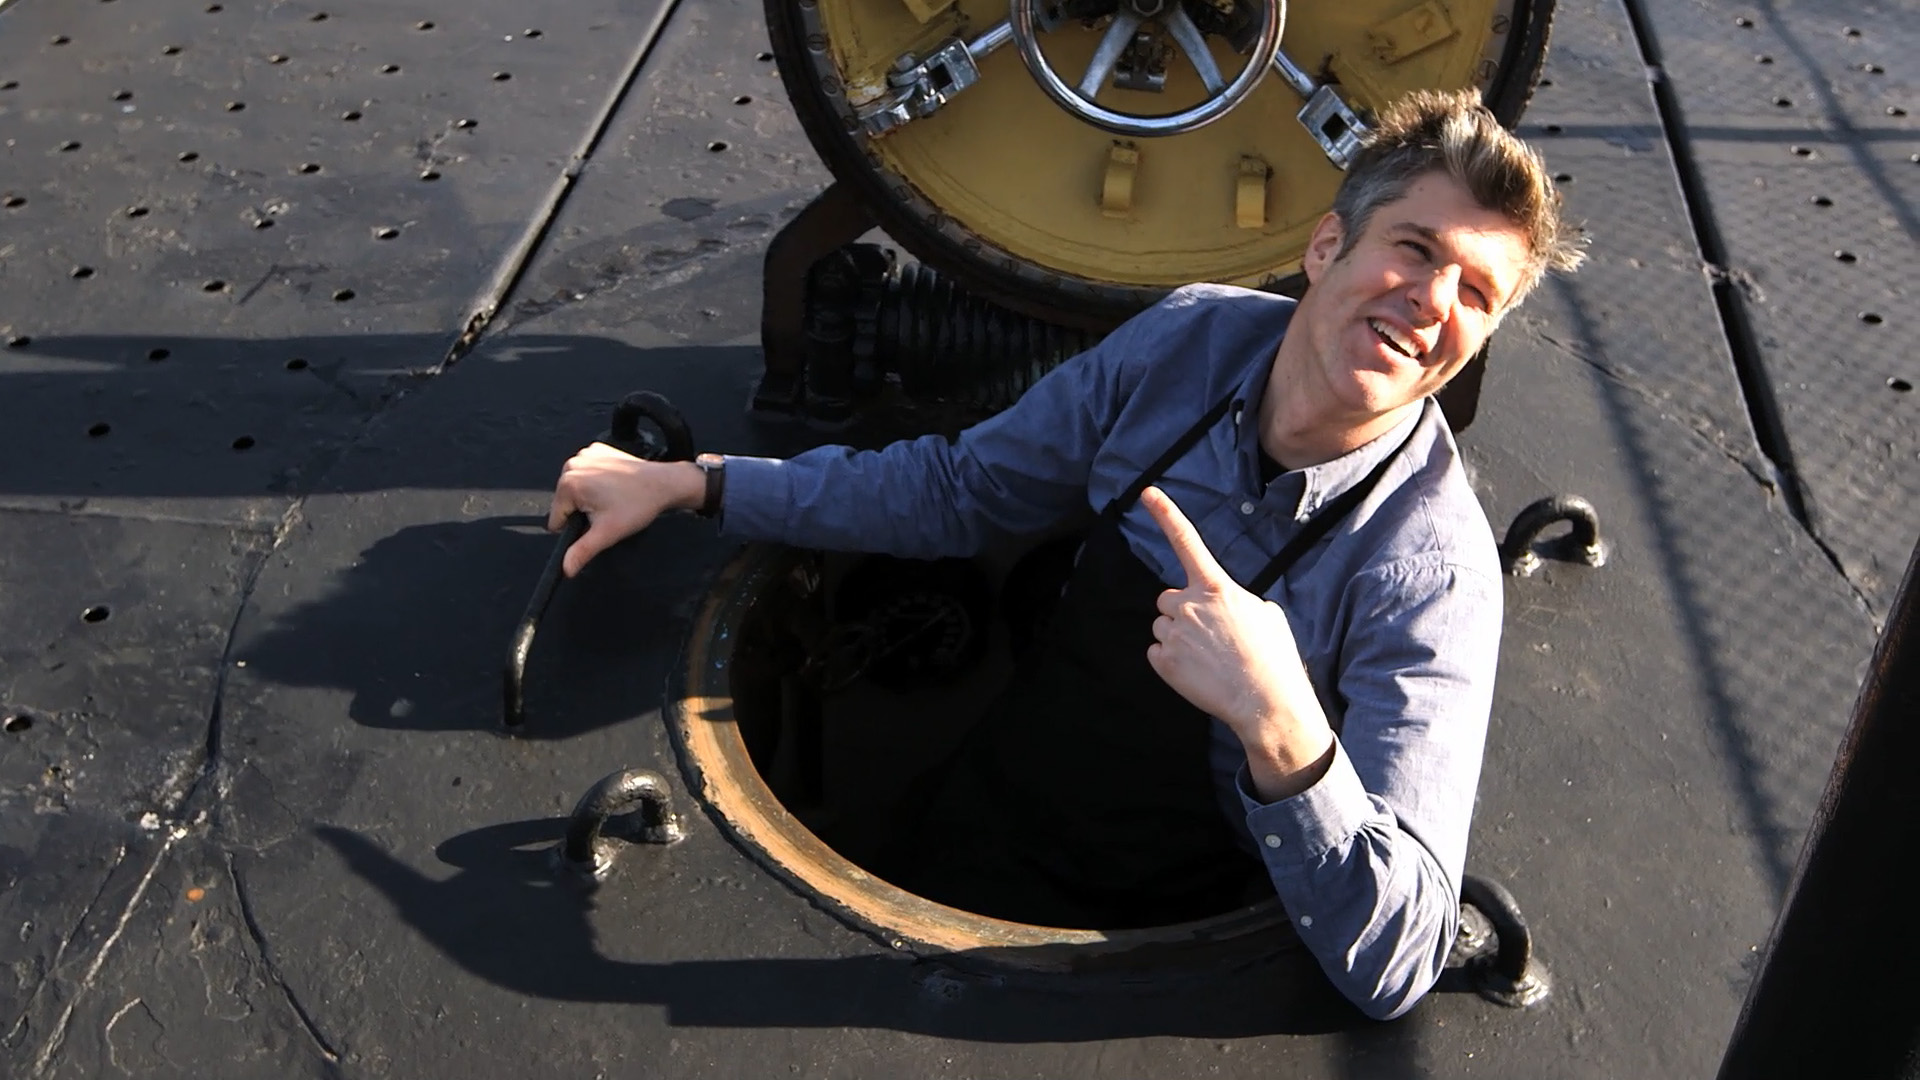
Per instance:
(1328,480)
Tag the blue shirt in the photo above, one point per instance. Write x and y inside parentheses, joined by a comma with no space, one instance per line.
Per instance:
(1397,614)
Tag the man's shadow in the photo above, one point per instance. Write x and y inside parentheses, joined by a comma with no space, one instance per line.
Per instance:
(418,629)
(506,918)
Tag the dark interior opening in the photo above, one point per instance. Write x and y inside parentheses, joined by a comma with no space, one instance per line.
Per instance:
(856,678)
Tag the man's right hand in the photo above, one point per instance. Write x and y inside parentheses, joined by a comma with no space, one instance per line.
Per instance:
(621,495)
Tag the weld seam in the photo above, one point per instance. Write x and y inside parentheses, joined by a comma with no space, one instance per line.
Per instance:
(259,936)
(1736,325)
(520,256)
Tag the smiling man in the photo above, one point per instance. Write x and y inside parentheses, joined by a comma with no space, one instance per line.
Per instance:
(1274,659)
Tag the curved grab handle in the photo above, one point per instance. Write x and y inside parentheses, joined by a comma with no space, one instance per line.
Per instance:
(623,433)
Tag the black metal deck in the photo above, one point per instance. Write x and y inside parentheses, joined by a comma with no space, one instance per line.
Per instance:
(303,305)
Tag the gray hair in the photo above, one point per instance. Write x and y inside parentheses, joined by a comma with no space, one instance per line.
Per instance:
(1452,132)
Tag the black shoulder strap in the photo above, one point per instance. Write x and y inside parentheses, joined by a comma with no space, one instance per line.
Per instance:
(1322,523)
(1119,504)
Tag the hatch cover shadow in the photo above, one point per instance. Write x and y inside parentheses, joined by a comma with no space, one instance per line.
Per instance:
(505,918)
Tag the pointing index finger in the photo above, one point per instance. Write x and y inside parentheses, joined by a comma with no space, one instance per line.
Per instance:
(1187,545)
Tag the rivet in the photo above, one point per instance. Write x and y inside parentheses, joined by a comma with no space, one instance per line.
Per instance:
(263,223)
(123,95)
(1801,151)
(1846,256)
(97,613)
(277,58)
(14,202)
(310,167)
(423,25)
(1850,31)
(743,99)
(296,364)
(1821,200)
(1873,69)
(1743,23)
(350,115)
(171,50)
(82,273)
(1763,58)
(19,341)
(137,211)
(1553,129)
(342,295)
(1563,178)
(1871,318)
(530,33)
(214,285)
(159,354)
(763,57)
(1783,102)
(390,69)
(716,146)
(1899,385)
(1895,110)
(244,442)
(466,124)
(318,16)
(69,145)
(430,174)
(385,232)
(214,9)
(99,429)
(190,156)
(236,106)
(17,723)
(502,76)
(61,39)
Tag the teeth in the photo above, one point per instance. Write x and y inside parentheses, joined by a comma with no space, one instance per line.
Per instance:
(1407,346)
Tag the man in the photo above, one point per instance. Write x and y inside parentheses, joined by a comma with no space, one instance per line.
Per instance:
(1288,611)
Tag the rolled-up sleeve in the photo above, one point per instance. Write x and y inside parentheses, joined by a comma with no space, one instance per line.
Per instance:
(1368,860)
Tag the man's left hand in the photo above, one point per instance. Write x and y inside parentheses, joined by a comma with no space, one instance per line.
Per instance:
(1233,655)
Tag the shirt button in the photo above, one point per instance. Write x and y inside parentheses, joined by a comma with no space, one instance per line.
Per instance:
(1246,508)
(1306,921)
(1272,840)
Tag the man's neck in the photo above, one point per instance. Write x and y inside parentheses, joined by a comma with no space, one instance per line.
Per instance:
(1302,423)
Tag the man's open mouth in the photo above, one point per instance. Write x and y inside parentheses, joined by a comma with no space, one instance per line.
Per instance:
(1395,340)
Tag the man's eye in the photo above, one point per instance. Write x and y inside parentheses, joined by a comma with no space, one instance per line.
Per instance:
(1478,299)
(1417,247)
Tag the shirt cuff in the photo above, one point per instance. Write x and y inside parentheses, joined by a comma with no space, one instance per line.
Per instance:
(753,504)
(1299,830)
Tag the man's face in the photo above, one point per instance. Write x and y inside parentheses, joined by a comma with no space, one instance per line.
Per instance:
(1414,298)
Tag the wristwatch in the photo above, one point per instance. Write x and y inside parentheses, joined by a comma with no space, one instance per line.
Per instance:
(715,468)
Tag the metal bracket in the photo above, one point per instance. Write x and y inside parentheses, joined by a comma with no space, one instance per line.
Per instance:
(922,87)
(1334,125)
(1327,117)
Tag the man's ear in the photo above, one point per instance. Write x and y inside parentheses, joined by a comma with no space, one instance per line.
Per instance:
(1323,246)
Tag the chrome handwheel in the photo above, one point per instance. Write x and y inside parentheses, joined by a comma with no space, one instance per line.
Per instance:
(1128,22)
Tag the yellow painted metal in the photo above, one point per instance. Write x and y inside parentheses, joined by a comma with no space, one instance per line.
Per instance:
(1017,171)
(1411,31)
(1250,194)
(1116,188)
(925,10)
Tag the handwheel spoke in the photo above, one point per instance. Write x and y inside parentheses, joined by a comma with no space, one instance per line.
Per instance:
(1194,44)
(1107,54)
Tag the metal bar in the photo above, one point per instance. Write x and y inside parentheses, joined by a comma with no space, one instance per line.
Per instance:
(1837,995)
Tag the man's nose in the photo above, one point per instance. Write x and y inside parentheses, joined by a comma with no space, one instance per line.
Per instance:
(1434,296)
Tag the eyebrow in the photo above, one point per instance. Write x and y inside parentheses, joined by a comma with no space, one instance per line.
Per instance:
(1430,236)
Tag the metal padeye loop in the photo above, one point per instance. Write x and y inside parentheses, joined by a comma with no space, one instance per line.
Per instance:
(1127,21)
(587,853)
(1520,552)
(1505,969)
